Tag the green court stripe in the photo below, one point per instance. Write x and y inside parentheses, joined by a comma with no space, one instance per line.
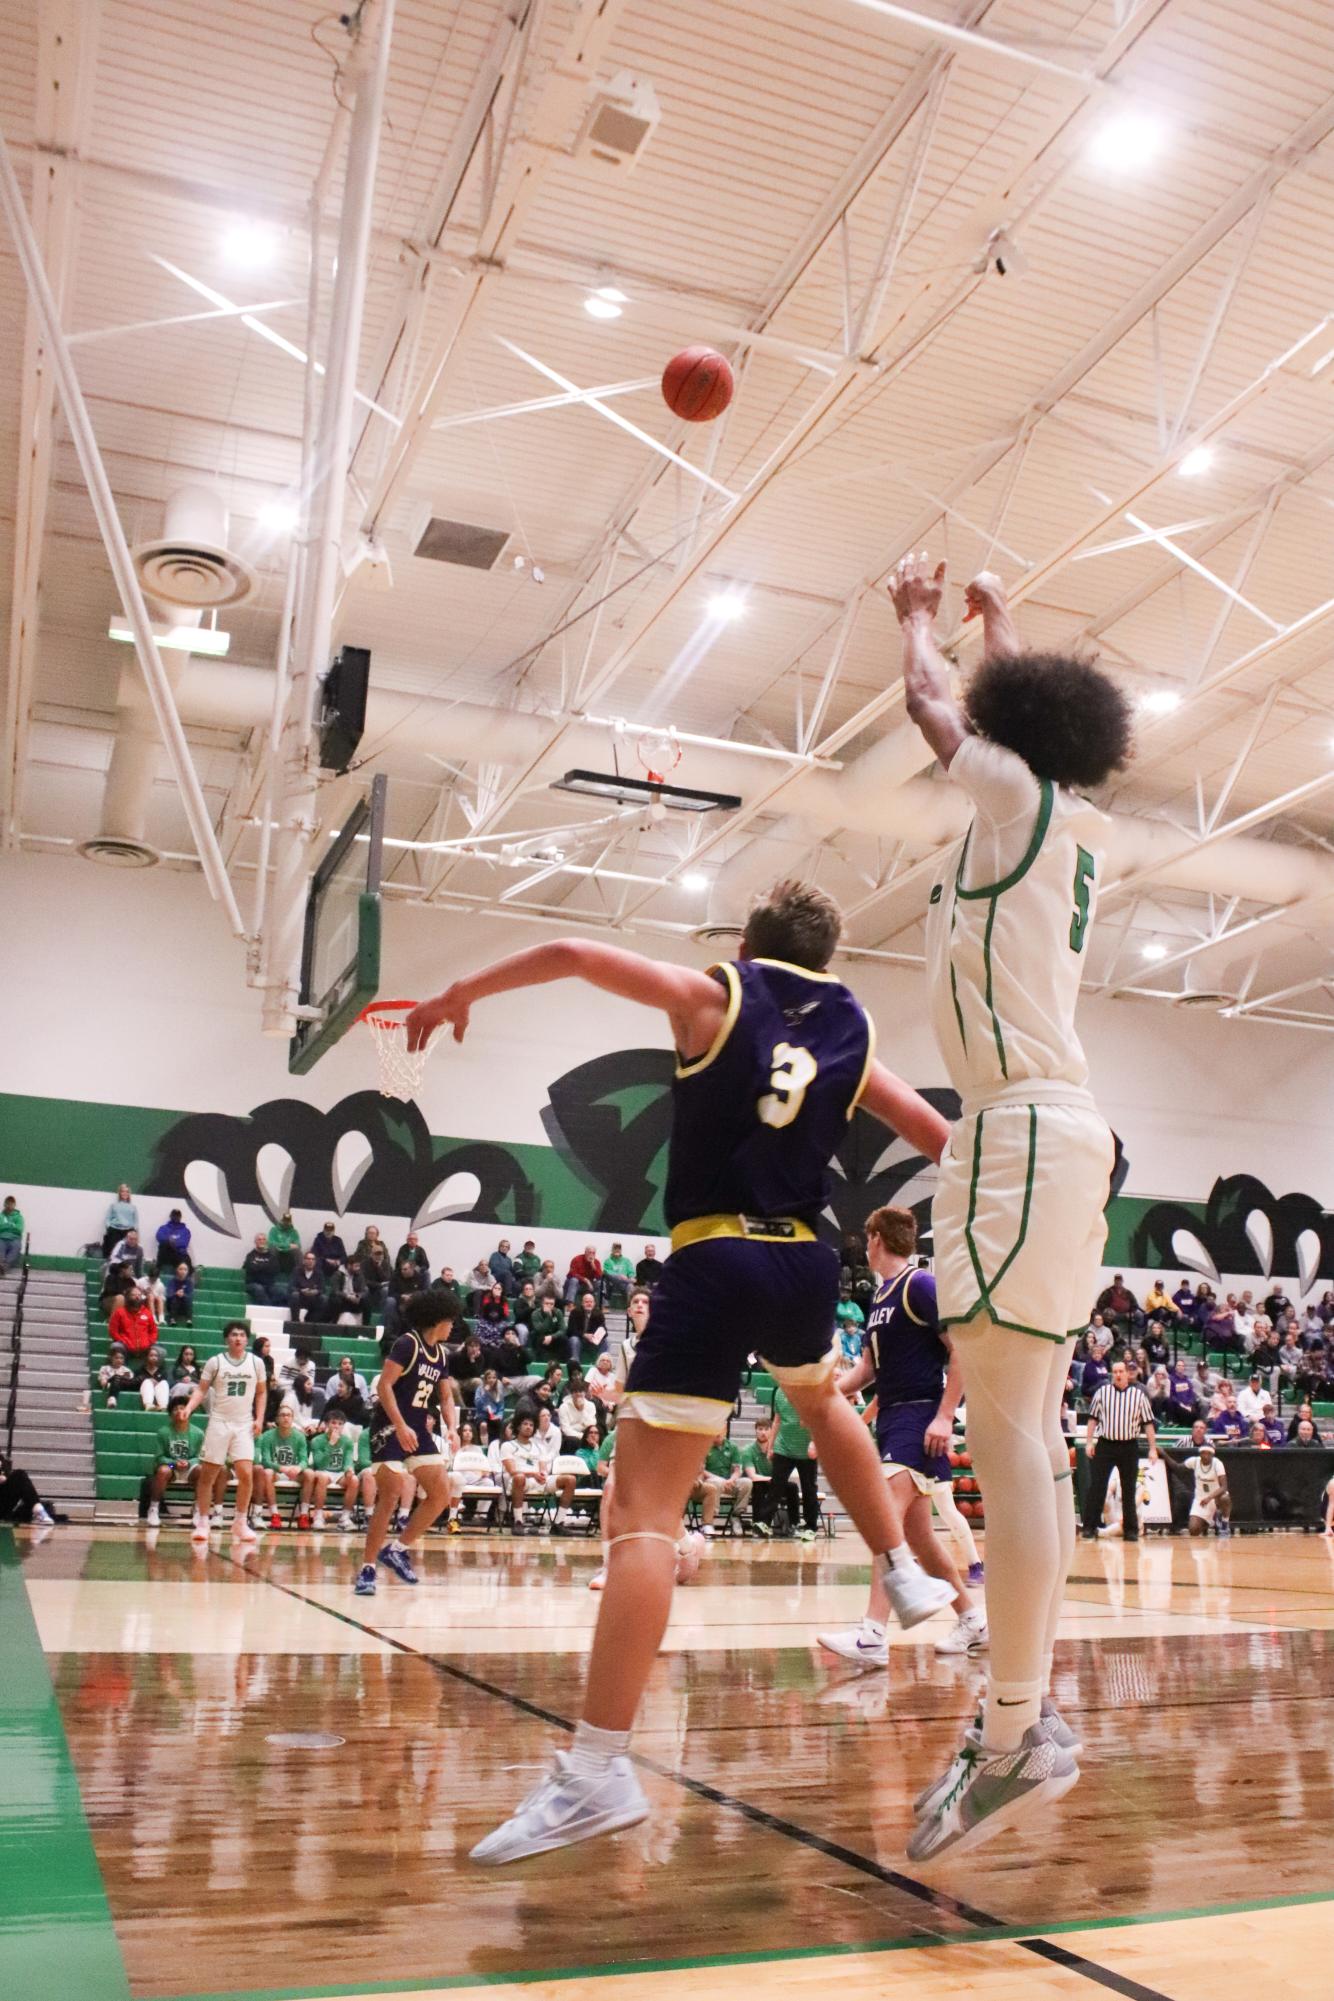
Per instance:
(56,1934)
(615,1968)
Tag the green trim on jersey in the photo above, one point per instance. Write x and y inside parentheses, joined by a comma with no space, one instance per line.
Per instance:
(991,1004)
(1018,873)
(1028,1196)
(985,1288)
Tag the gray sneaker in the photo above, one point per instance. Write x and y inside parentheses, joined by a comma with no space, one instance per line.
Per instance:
(991,1791)
(1054,1725)
(926,1798)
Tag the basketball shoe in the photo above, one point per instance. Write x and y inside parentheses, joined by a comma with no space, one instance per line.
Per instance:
(565,1807)
(394,1557)
(865,1644)
(967,1636)
(365,1584)
(913,1594)
(990,1791)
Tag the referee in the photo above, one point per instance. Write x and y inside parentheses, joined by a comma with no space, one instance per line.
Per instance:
(1118,1414)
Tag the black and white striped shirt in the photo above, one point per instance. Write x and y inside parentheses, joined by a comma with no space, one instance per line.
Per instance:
(1120,1414)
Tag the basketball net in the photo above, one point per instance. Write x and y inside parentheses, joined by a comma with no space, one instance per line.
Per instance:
(659,752)
(401,1068)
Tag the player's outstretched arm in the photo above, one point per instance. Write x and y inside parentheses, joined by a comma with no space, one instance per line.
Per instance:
(694,1003)
(931,704)
(985,599)
(897,1105)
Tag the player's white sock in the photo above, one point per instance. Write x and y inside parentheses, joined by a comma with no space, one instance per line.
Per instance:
(594,1749)
(1010,1708)
(872,1630)
(901,1558)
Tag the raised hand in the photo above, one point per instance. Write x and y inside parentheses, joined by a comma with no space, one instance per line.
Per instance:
(915,590)
(985,593)
(427,1016)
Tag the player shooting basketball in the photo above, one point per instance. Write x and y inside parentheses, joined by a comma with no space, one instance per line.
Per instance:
(1018,1216)
(774,1056)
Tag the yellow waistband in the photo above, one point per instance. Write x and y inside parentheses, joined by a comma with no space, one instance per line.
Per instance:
(758,1229)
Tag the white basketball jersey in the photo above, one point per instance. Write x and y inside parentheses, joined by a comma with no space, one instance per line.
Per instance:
(1208,1479)
(231,1387)
(1005,959)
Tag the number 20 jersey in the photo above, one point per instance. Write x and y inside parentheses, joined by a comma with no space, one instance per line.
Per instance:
(757,1118)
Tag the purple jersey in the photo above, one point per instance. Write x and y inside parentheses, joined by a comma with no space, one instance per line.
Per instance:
(903,1339)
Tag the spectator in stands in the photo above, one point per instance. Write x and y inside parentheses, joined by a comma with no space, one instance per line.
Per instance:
(1269,1424)
(176,1460)
(155,1292)
(376,1267)
(1277,1303)
(263,1352)
(539,1397)
(299,1398)
(1305,1434)
(721,1479)
(1257,1438)
(1203,1382)
(852,1250)
(447,1282)
(130,1253)
(185,1369)
(649,1269)
(618,1276)
(1251,1400)
(488,1398)
(122,1216)
(305,1298)
(1302,1415)
(348,1300)
(329,1251)
(589,1447)
(1326,1308)
(501,1267)
(584,1275)
(1226,1424)
(348,1372)
(848,1328)
(133,1325)
(547,1285)
(1158,1304)
(514,1364)
(1159,1394)
(411,1247)
(794,1453)
(577,1411)
(470,1469)
(1095,1372)
(299,1363)
(478,1284)
(1203,1303)
(282,1454)
(173,1241)
(1184,1300)
(547,1337)
(1119,1307)
(264,1282)
(11,1234)
(525,1305)
(181,1297)
(493,1310)
(757,1464)
(346,1392)
(602,1384)
(1156,1350)
(115,1376)
(332,1463)
(20,1502)
(847,1307)
(1220,1328)
(285,1243)
(586,1329)
(152,1383)
(467,1365)
(527,1264)
(1268,1357)
(407,1279)
(1181,1407)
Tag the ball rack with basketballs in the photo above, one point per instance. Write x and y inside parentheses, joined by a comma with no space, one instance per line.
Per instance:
(967,1493)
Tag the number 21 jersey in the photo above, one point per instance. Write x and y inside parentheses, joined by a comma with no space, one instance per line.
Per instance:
(758,1116)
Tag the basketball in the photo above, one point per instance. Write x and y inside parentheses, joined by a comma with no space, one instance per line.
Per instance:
(697,384)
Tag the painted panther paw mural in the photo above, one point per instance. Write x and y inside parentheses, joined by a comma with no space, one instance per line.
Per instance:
(1246,1229)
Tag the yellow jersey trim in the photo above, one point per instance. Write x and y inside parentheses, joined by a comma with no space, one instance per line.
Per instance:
(703,1229)
(860,1092)
(802,972)
(725,1027)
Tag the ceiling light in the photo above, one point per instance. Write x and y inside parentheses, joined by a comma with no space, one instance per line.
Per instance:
(1153,951)
(599,307)
(1160,701)
(1127,142)
(695,881)
(251,246)
(178,638)
(728,606)
(280,517)
(1196,462)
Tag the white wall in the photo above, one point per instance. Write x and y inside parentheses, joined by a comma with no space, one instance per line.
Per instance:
(125,988)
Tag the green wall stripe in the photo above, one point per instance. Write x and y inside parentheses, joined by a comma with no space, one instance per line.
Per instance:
(56,1934)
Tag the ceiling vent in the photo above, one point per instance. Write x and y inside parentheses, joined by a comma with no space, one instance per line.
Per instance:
(189,563)
(462,542)
(1207,998)
(620,121)
(117,852)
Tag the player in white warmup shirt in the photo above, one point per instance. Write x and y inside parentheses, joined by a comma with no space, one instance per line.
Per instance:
(235,1386)
(1017,1221)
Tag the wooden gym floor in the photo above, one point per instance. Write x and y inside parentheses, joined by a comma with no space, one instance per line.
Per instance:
(155,1841)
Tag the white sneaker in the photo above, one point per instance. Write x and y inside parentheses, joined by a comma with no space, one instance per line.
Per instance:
(566,1807)
(154,1516)
(319,1518)
(243,1531)
(43,1516)
(690,1553)
(865,1649)
(346,1520)
(968,1635)
(598,1581)
(913,1594)
(991,1791)
(199,1533)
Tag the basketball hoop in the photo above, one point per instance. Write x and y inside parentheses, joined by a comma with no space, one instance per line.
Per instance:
(401,1068)
(659,752)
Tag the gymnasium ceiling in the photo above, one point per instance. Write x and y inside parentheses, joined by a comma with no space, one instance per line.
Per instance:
(1134,424)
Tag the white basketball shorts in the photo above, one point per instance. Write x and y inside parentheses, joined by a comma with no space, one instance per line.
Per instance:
(224,1443)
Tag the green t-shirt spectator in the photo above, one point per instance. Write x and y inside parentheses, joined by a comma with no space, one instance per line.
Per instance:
(363,1462)
(591,1456)
(791,1439)
(607,1449)
(754,1459)
(340,1459)
(547,1318)
(722,1460)
(848,1309)
(179,1448)
(11,1223)
(281,1454)
(285,1241)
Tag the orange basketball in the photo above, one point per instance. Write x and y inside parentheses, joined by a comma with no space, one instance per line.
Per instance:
(697,384)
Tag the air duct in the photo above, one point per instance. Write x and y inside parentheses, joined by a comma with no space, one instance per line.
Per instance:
(189,564)
(121,840)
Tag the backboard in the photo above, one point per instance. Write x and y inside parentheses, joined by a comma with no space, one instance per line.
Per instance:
(340,957)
